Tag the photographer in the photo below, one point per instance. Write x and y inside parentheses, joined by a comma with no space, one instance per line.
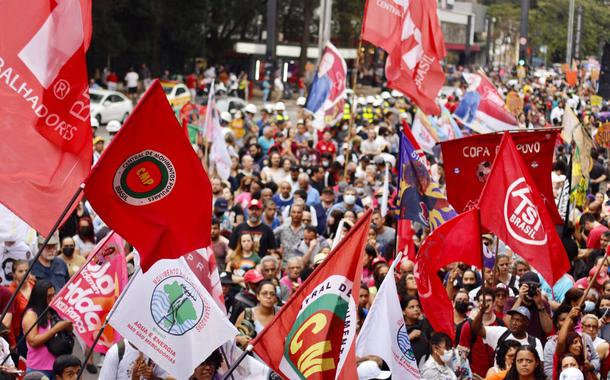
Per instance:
(530,297)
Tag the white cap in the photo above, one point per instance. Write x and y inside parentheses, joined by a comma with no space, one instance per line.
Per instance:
(95,123)
(370,99)
(385,95)
(113,126)
(279,106)
(572,373)
(368,370)
(250,108)
(361,100)
(396,94)
(268,108)
(404,115)
(377,103)
(301,101)
(225,116)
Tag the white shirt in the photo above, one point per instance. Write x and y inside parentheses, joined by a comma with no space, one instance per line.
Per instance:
(132,79)
(431,370)
(112,369)
(493,334)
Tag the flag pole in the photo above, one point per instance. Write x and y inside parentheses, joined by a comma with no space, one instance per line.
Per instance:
(592,281)
(236,363)
(352,119)
(103,327)
(39,253)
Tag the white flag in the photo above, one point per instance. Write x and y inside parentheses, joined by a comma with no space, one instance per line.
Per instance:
(219,153)
(388,339)
(385,194)
(169,316)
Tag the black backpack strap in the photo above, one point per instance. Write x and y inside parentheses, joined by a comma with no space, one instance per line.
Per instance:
(121,347)
(501,339)
(531,340)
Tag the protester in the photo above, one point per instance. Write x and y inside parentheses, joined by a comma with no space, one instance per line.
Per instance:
(253,320)
(441,354)
(208,369)
(527,365)
(66,367)
(49,266)
(124,362)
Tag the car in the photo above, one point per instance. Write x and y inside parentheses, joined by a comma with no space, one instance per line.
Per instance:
(229,103)
(109,105)
(177,93)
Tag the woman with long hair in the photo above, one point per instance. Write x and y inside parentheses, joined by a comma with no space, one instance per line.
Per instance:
(252,321)
(417,326)
(39,358)
(20,267)
(570,342)
(245,256)
(85,237)
(505,357)
(527,365)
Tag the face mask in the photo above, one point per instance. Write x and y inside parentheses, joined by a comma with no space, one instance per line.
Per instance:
(325,164)
(469,287)
(589,306)
(446,356)
(85,230)
(68,251)
(350,199)
(461,307)
(603,311)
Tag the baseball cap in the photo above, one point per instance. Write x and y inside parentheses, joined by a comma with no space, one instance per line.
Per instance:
(529,277)
(53,240)
(253,277)
(255,203)
(378,260)
(221,204)
(369,369)
(572,373)
(98,139)
(521,310)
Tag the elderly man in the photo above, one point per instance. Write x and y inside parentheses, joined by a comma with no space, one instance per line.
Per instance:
(292,280)
(313,196)
(49,266)
(270,268)
(283,198)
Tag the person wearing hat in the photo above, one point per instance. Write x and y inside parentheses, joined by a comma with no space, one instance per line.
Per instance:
(113,127)
(98,148)
(262,233)
(49,266)
(530,297)
(516,329)
(369,370)
(246,297)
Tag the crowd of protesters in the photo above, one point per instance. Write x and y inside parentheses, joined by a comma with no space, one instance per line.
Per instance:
(294,191)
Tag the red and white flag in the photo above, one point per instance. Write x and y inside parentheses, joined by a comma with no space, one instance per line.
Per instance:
(91,293)
(512,207)
(44,110)
(203,264)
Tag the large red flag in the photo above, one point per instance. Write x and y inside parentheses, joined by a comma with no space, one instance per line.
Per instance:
(44,112)
(512,207)
(91,293)
(149,185)
(382,22)
(468,163)
(313,335)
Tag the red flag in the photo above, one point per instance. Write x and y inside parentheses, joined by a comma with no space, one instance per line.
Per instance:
(313,335)
(413,66)
(457,240)
(44,112)
(382,22)
(145,184)
(91,293)
(468,163)
(203,264)
(512,207)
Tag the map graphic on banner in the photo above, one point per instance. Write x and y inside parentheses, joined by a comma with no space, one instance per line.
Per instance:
(482,109)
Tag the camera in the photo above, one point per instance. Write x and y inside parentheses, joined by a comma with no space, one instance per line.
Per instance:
(532,289)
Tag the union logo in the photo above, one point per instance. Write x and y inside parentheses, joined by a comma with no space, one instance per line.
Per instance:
(144,178)
(402,338)
(521,215)
(176,306)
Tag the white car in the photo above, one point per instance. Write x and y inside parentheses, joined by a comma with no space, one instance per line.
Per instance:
(228,103)
(109,105)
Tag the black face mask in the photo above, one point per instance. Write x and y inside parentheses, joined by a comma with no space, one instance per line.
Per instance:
(68,251)
(469,287)
(86,230)
(462,307)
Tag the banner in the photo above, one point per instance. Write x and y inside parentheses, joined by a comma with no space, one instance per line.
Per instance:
(602,137)
(468,163)
(382,22)
(91,293)
(388,339)
(568,125)
(144,184)
(458,240)
(203,264)
(482,109)
(220,159)
(581,165)
(44,110)
(422,132)
(171,318)
(313,335)
(512,207)
(514,103)
(327,92)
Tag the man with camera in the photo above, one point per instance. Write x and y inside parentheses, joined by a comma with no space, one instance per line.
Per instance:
(530,297)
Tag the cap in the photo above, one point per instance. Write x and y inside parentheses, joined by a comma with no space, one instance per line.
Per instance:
(53,240)
(327,190)
(253,277)
(301,101)
(370,99)
(601,277)
(529,277)
(319,258)
(369,369)
(521,310)
(378,260)
(98,139)
(250,108)
(377,103)
(255,203)
(396,94)
(385,95)
(94,122)
(226,278)
(225,116)
(294,167)
(113,126)
(571,373)
(221,204)
(300,122)
(279,106)
(379,160)
(268,108)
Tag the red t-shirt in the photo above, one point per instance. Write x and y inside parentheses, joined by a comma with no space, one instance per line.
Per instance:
(593,241)
(326,146)
(481,354)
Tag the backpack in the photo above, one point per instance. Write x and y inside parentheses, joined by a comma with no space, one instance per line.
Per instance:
(530,340)
(121,347)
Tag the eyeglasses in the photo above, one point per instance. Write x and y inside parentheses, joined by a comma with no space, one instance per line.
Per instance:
(267,294)
(307,220)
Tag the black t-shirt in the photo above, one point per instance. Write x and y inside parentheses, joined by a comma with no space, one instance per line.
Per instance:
(261,234)
(596,171)
(421,345)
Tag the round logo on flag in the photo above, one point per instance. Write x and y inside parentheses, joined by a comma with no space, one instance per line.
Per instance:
(521,215)
(402,338)
(144,178)
(176,307)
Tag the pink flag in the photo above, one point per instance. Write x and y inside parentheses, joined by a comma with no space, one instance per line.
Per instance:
(90,294)
(203,263)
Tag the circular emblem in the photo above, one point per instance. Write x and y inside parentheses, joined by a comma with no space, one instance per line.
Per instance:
(144,178)
(521,215)
(402,338)
(176,306)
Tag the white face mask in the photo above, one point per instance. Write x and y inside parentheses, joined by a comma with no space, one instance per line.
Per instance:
(350,199)
(447,356)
